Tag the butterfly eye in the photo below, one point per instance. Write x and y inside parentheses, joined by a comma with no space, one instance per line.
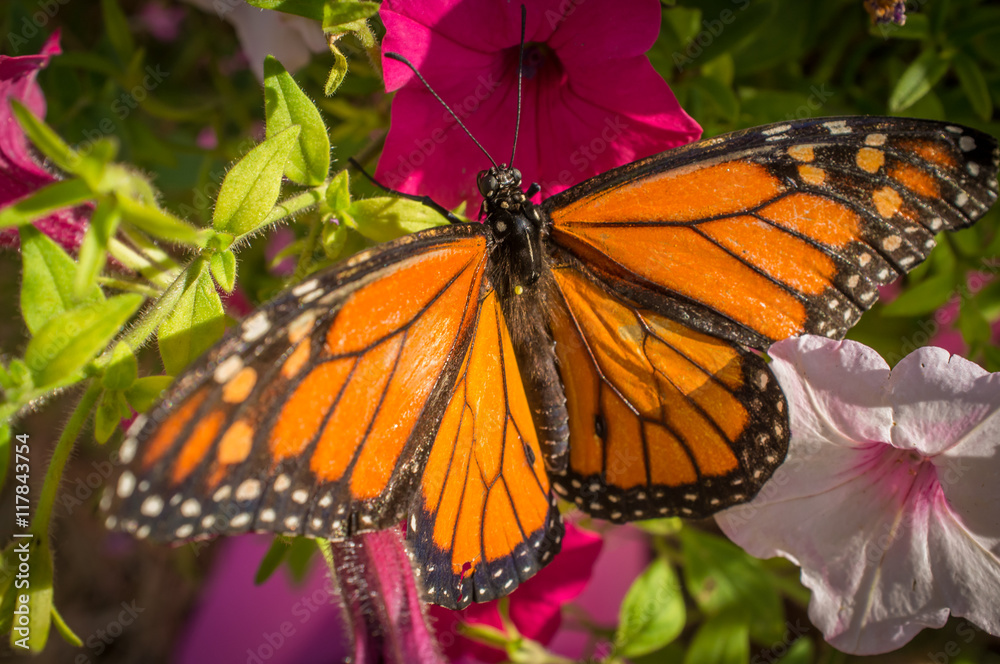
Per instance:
(516,174)
(488,184)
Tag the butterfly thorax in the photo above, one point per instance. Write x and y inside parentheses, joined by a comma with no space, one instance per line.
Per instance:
(515,226)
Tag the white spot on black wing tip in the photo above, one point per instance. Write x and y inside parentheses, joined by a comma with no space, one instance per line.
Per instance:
(152,506)
(228,368)
(240,520)
(126,484)
(190,508)
(305,287)
(973,168)
(967,143)
(953,129)
(127,451)
(184,531)
(961,199)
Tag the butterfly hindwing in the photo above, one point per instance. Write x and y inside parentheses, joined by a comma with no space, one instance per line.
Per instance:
(485,518)
(779,230)
(312,416)
(664,420)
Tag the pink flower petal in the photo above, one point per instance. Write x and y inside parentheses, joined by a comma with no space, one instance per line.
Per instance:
(535,607)
(581,116)
(20,173)
(893,535)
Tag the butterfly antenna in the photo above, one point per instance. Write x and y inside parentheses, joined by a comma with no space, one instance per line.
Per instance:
(399,58)
(520,73)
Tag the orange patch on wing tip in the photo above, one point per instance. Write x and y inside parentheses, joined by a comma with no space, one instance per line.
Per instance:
(932,152)
(296,360)
(197,445)
(916,180)
(812,175)
(803,153)
(238,388)
(870,159)
(167,434)
(887,201)
(235,444)
(677,195)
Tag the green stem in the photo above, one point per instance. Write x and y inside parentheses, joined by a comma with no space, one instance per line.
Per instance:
(305,258)
(162,268)
(130,286)
(294,205)
(155,314)
(43,510)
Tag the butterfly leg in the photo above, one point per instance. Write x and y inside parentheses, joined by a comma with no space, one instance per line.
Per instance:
(426,200)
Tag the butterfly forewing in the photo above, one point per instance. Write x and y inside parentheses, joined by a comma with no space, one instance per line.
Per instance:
(313,416)
(779,230)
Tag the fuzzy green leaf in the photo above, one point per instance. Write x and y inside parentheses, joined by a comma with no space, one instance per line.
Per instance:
(108,415)
(251,187)
(94,249)
(145,391)
(337,72)
(56,196)
(194,325)
(122,369)
(223,267)
(44,138)
(652,614)
(47,285)
(338,16)
(286,105)
(160,223)
(70,340)
(276,553)
(385,218)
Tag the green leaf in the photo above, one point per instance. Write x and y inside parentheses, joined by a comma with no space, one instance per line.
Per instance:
(251,187)
(308,8)
(117,29)
(286,105)
(970,76)
(652,613)
(223,267)
(385,218)
(299,555)
(110,410)
(64,630)
(122,369)
(925,297)
(721,96)
(918,79)
(337,72)
(800,652)
(146,391)
(338,15)
(338,192)
(276,553)
(195,324)
(4,452)
(44,138)
(94,249)
(722,578)
(47,285)
(68,341)
(973,325)
(722,639)
(56,196)
(159,223)
(37,610)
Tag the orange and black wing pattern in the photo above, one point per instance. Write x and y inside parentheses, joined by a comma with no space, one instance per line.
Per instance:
(779,230)
(664,420)
(313,416)
(484,519)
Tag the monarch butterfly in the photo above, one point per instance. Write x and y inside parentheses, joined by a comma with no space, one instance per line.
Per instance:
(600,347)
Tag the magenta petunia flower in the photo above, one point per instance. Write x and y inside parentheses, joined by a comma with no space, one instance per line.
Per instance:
(888,499)
(372,614)
(592,100)
(20,173)
(535,607)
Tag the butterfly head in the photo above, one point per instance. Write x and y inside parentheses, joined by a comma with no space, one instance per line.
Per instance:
(500,182)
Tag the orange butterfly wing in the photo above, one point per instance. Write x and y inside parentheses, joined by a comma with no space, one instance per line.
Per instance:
(485,517)
(313,416)
(664,420)
(778,230)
